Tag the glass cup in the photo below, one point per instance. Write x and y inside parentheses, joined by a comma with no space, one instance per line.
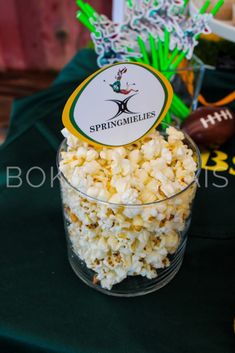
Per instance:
(187,80)
(151,237)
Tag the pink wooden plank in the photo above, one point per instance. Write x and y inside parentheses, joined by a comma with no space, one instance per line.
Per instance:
(2,61)
(57,35)
(10,39)
(61,33)
(29,17)
(42,34)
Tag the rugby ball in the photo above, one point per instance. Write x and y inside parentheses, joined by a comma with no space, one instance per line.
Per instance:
(209,126)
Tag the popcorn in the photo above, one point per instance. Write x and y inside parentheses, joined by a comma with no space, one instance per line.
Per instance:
(93,191)
(91,167)
(91,155)
(81,152)
(115,240)
(171,241)
(130,196)
(174,135)
(135,156)
(115,198)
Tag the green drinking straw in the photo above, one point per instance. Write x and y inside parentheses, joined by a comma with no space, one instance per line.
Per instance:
(178,60)
(167,118)
(143,50)
(160,52)
(176,102)
(204,7)
(178,107)
(87,9)
(153,51)
(129,3)
(83,8)
(84,20)
(202,11)
(217,7)
(166,44)
(184,6)
(183,110)
(176,50)
(172,58)
(91,11)
(130,50)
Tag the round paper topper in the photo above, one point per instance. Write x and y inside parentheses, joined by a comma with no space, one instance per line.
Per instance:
(118,105)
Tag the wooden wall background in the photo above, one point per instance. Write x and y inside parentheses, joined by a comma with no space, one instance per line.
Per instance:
(42,34)
(37,38)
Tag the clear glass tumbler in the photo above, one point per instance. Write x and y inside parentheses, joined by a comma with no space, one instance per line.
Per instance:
(187,80)
(158,228)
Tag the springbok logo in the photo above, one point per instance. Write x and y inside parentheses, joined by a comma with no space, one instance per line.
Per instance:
(118,104)
(117,88)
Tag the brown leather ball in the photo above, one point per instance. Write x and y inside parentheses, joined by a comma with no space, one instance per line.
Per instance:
(210,127)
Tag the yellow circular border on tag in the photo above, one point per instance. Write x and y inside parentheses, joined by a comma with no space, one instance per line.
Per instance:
(66,112)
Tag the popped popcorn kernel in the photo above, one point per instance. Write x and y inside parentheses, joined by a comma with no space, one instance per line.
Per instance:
(111,229)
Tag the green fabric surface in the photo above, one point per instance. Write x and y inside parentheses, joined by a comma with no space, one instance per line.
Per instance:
(44,307)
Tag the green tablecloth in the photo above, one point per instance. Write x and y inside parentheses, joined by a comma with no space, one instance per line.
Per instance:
(44,307)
